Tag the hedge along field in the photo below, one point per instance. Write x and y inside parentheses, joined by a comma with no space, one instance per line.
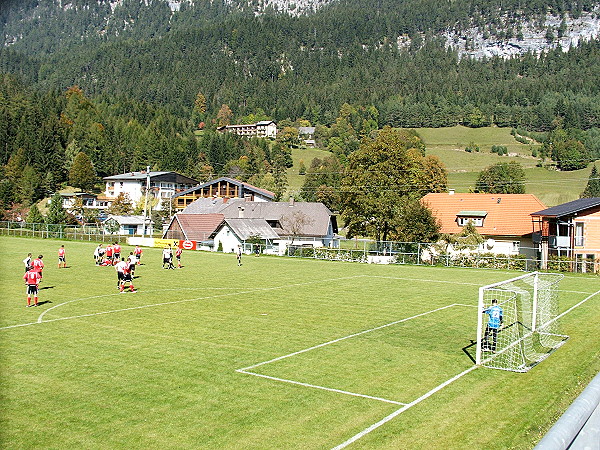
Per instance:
(344,344)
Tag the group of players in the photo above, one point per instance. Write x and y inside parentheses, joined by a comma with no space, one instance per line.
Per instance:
(103,256)
(125,267)
(33,274)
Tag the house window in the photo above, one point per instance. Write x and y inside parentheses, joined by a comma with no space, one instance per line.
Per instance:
(477,221)
(579,242)
(516,245)
(120,184)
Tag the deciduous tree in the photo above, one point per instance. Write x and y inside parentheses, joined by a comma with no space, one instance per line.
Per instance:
(383,179)
(502,178)
(121,205)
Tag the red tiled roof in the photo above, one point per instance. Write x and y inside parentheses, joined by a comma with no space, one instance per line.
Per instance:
(198,227)
(507,214)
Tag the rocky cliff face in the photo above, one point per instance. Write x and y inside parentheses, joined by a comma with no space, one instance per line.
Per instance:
(554,32)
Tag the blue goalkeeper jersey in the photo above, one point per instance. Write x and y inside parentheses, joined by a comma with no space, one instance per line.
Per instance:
(495,316)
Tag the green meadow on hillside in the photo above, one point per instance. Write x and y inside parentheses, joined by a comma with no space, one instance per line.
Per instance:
(278,353)
(550,186)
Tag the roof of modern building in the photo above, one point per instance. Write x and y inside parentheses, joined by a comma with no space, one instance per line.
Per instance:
(139,176)
(569,208)
(505,214)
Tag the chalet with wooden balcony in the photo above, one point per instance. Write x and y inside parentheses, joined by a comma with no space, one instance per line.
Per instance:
(571,229)
(223,187)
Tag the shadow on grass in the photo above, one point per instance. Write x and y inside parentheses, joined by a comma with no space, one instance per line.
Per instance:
(470,350)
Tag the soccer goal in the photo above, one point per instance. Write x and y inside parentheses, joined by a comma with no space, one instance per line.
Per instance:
(517,323)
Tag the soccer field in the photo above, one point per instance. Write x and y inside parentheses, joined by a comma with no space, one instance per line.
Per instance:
(278,353)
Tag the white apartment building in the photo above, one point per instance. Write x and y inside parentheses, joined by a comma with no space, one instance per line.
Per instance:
(163,185)
(262,129)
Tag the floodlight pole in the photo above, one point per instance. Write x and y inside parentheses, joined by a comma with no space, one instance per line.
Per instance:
(146,199)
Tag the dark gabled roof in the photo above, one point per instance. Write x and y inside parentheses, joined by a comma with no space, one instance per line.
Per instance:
(317,216)
(245,228)
(242,185)
(171,177)
(569,208)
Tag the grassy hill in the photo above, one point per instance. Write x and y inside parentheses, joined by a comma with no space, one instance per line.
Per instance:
(550,186)
(295,180)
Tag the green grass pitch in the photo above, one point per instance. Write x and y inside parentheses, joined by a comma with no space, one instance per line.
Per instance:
(277,353)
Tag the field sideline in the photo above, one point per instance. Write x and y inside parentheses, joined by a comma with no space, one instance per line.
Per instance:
(277,353)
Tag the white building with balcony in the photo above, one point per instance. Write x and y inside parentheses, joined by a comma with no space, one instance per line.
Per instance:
(162,186)
(262,129)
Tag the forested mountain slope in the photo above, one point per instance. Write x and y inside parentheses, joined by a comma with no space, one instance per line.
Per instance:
(394,55)
(128,82)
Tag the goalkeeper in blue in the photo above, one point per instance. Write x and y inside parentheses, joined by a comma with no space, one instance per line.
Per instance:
(494,313)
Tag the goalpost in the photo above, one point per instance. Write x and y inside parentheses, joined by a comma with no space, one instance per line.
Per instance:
(517,326)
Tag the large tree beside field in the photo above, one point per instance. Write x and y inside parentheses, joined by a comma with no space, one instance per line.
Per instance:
(383,183)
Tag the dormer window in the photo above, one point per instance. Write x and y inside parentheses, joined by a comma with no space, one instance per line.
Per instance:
(475,217)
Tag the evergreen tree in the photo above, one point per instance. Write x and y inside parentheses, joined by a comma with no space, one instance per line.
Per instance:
(82,174)
(29,187)
(56,212)
(34,215)
(592,189)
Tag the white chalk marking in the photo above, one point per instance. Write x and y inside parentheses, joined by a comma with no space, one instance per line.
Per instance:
(386,419)
(314,386)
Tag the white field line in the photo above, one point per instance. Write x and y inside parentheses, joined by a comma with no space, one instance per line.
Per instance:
(455,282)
(151,305)
(244,369)
(40,318)
(386,419)
(433,391)
(424,280)
(314,386)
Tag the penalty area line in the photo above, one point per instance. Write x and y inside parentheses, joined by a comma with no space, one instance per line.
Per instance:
(396,413)
(279,358)
(386,419)
(314,386)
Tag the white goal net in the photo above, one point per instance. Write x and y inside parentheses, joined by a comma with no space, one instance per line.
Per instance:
(517,326)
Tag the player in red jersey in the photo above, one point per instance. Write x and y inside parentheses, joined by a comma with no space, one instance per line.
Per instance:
(32,280)
(108,253)
(124,275)
(116,251)
(38,265)
(62,259)
(178,253)
(138,253)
